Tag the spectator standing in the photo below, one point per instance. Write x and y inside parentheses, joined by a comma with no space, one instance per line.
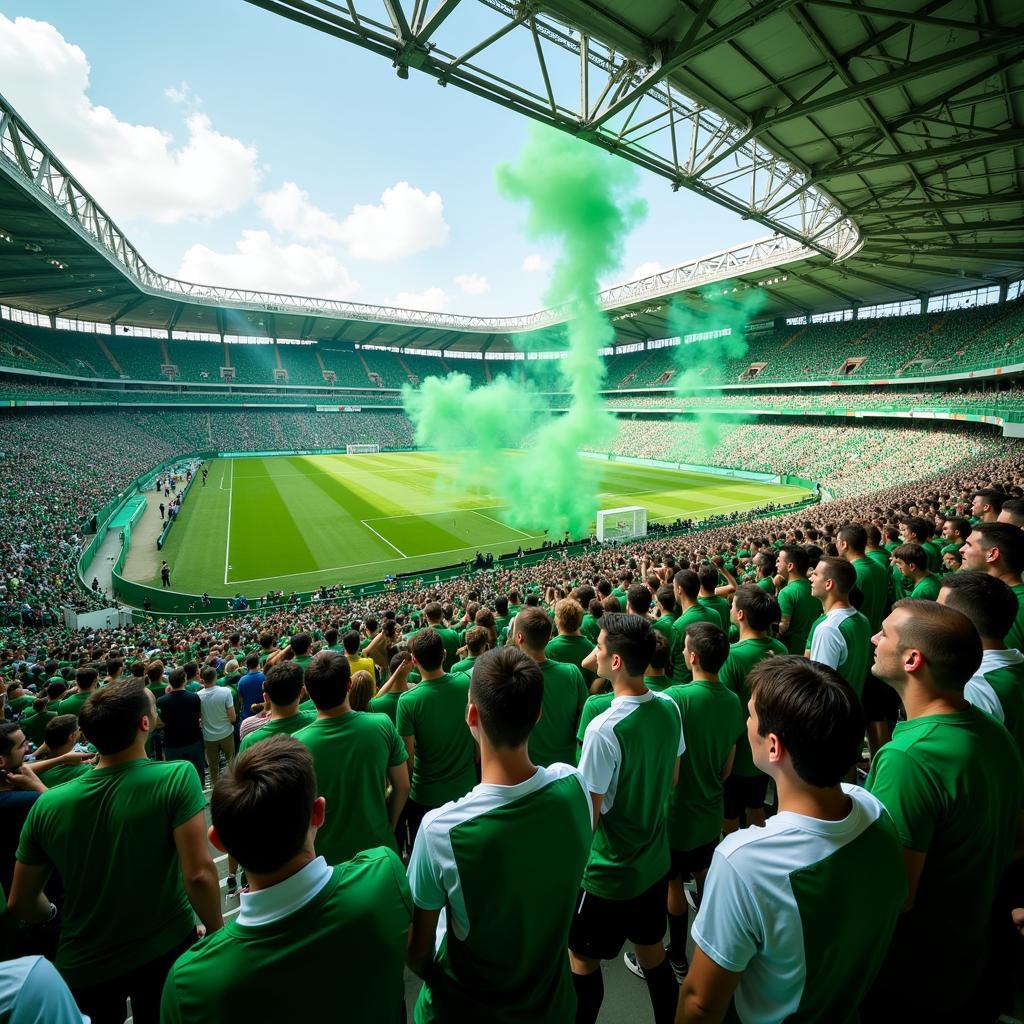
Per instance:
(218,710)
(180,712)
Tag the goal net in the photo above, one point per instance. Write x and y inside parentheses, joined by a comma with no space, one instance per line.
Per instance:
(362,449)
(614,524)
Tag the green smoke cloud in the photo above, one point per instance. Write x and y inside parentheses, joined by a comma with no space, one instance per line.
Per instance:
(584,201)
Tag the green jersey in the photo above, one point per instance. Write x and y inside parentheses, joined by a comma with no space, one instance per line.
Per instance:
(947,780)
(444,762)
(385,704)
(590,627)
(926,588)
(879,555)
(554,736)
(658,683)
(278,727)
(503,955)
(73,705)
(743,656)
(22,703)
(998,688)
(450,639)
(719,605)
(111,831)
(365,900)
(696,613)
(663,624)
(352,753)
(595,704)
(842,640)
(873,583)
(767,583)
(572,650)
(817,876)
(465,666)
(712,723)
(34,726)
(629,758)
(801,608)
(1015,638)
(61,773)
(933,552)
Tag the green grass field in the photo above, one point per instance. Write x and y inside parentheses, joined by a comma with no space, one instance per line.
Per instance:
(302,521)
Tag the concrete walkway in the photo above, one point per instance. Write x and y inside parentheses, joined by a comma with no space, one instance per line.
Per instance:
(143,561)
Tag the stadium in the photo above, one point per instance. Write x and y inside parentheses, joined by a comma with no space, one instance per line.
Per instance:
(205,472)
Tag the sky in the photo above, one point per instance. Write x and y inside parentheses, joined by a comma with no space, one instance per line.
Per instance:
(237,148)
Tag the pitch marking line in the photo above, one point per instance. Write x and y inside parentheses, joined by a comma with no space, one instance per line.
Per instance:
(500,523)
(366,523)
(227,542)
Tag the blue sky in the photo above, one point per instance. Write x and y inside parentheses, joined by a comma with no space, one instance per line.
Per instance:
(236,147)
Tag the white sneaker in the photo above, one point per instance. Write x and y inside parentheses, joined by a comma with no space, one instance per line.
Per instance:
(629,959)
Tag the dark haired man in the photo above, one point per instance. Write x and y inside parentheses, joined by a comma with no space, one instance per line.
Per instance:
(144,823)
(430,720)
(986,504)
(61,735)
(709,596)
(841,637)
(250,686)
(798,608)
(777,897)
(872,578)
(282,687)
(553,738)
(503,956)
(477,640)
(181,715)
(713,719)
(955,531)
(911,560)
(998,685)
(298,916)
(949,775)
(300,646)
(686,585)
(998,549)
(86,680)
(630,761)
(666,599)
(1012,512)
(754,611)
(433,612)
(353,752)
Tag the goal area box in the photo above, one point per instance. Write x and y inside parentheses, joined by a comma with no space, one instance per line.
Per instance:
(362,449)
(615,524)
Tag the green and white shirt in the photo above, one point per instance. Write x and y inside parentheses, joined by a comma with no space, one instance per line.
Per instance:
(629,758)
(713,721)
(1015,638)
(351,757)
(814,956)
(502,954)
(434,713)
(345,926)
(842,640)
(998,688)
(554,736)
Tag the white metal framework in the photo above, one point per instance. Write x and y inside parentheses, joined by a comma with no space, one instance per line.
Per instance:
(616,524)
(362,449)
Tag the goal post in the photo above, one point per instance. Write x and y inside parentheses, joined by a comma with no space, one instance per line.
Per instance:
(362,449)
(616,524)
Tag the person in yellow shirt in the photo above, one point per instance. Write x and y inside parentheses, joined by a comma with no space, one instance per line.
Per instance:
(350,641)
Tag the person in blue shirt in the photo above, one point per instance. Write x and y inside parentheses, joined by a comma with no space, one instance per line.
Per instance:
(250,686)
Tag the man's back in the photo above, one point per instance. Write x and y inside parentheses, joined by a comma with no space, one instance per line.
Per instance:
(444,762)
(998,688)
(696,613)
(571,650)
(351,756)
(742,658)
(629,755)
(948,780)
(713,720)
(801,607)
(250,690)
(813,957)
(873,583)
(340,956)
(180,712)
(278,727)
(554,736)
(110,836)
(503,958)
(719,605)
(216,701)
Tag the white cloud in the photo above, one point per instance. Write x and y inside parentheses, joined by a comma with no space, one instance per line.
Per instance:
(405,221)
(473,284)
(182,93)
(133,170)
(644,270)
(259,263)
(436,300)
(536,264)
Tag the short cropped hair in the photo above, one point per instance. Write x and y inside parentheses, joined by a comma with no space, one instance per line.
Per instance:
(110,717)
(991,497)
(662,652)
(85,678)
(815,714)
(327,678)
(912,554)
(709,643)
(639,598)
(568,615)
(796,556)
(854,536)
(535,627)
(301,643)
(666,598)
(760,609)
(427,648)
(59,730)
(708,576)
(986,600)
(507,689)
(631,638)
(688,582)
(1007,538)
(262,805)
(840,571)
(283,683)
(945,637)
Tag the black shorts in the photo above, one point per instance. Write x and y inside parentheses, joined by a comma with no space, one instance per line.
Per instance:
(881,702)
(686,863)
(600,926)
(744,791)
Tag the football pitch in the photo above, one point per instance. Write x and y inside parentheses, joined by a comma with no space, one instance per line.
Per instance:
(299,522)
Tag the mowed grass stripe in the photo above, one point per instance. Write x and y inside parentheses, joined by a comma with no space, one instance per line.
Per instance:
(263,530)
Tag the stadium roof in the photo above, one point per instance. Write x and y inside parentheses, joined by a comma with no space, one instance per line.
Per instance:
(882,144)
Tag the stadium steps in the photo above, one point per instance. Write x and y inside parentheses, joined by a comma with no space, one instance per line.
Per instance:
(365,365)
(487,371)
(164,353)
(789,341)
(447,368)
(634,373)
(413,377)
(320,361)
(277,356)
(110,357)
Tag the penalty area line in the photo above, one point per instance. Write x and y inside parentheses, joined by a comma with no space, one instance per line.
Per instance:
(366,523)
